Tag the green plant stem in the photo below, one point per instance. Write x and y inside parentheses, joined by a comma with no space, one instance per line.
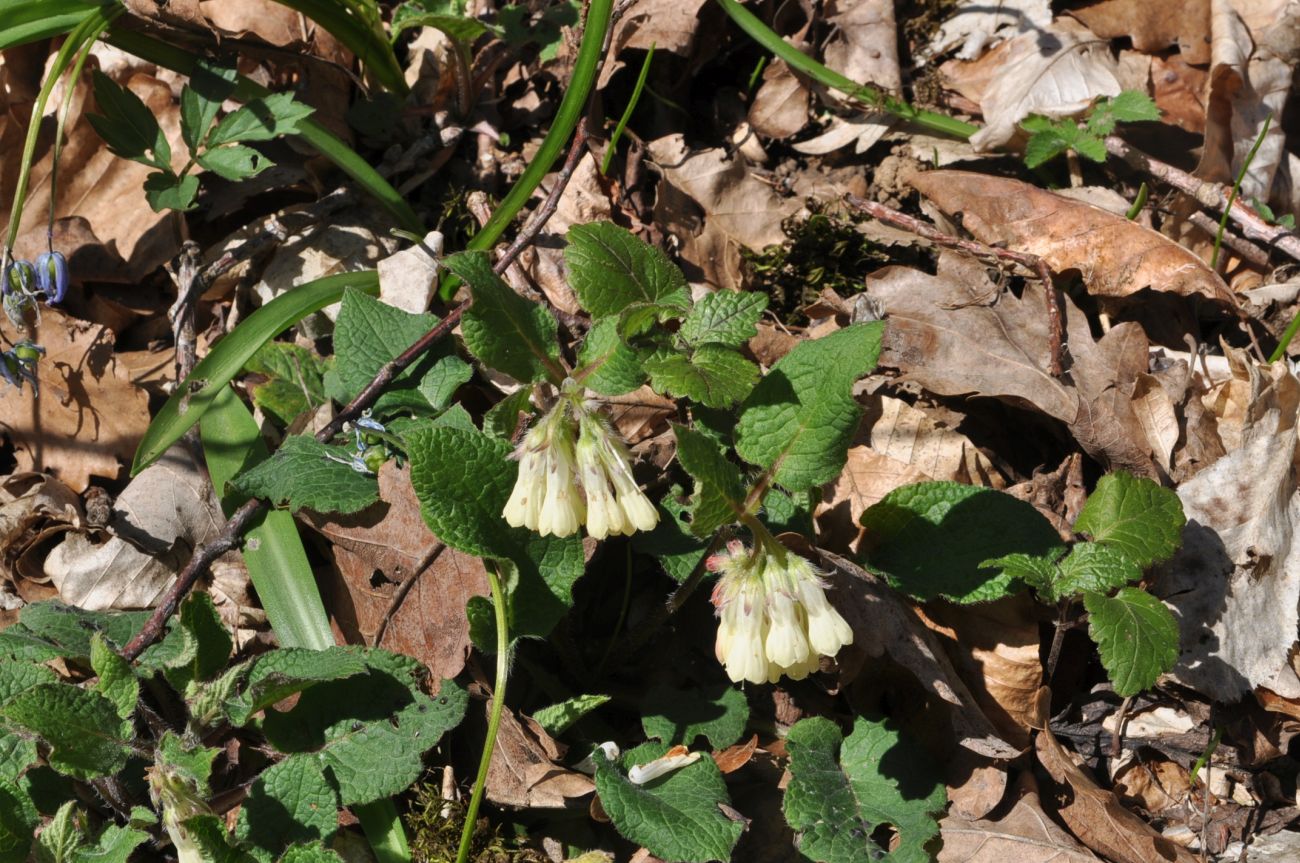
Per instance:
(1280,351)
(63,119)
(329,146)
(494,718)
(1138,203)
(567,115)
(627,111)
(86,31)
(796,59)
(1236,187)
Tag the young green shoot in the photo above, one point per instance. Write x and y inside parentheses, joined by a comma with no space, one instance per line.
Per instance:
(627,111)
(1236,187)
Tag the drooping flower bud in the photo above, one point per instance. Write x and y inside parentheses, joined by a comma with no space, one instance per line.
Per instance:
(19,277)
(52,276)
(546,497)
(615,503)
(774,618)
(179,801)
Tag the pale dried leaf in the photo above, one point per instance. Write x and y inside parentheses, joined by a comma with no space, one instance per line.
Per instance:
(158,520)
(1155,412)
(523,772)
(1235,583)
(1115,256)
(780,107)
(1055,71)
(1023,835)
(839,133)
(864,46)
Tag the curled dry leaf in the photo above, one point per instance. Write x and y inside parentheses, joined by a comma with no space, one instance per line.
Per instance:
(524,772)
(159,518)
(1179,91)
(1096,816)
(376,552)
(1235,583)
(88,416)
(955,333)
(1116,257)
(864,44)
(1025,834)
(780,107)
(1057,71)
(976,24)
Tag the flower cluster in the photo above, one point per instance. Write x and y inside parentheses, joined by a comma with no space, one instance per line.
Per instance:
(774,618)
(21,281)
(574,469)
(19,364)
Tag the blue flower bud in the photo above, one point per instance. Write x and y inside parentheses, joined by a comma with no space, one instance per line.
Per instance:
(52,276)
(18,276)
(10,369)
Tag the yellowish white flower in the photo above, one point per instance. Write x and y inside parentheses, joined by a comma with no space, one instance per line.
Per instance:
(773,615)
(564,483)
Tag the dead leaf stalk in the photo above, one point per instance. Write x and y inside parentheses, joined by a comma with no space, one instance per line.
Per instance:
(980,250)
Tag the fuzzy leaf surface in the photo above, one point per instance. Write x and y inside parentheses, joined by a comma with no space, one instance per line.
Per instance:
(1136,635)
(610,269)
(86,737)
(716,376)
(1135,515)
(303,474)
(504,330)
(801,417)
(719,490)
(290,802)
(724,317)
(611,368)
(676,816)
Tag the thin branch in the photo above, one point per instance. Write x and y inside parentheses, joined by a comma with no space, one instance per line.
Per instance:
(1214,196)
(1034,263)
(543,215)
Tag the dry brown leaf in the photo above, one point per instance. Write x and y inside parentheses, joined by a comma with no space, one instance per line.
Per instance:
(1154,784)
(994,646)
(1246,87)
(1235,583)
(159,518)
(88,416)
(34,509)
(715,207)
(1056,71)
(1179,91)
(1115,256)
(523,772)
(780,107)
(864,45)
(1155,412)
(737,756)
(883,623)
(1023,835)
(1153,26)
(954,333)
(378,550)
(897,444)
(1096,816)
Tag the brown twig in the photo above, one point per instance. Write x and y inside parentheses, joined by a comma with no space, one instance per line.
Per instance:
(1212,195)
(552,202)
(206,554)
(1033,263)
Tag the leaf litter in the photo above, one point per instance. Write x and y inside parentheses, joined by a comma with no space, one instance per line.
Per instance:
(728,155)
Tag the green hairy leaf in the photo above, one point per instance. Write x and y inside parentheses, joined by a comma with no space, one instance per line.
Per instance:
(559,718)
(307,474)
(296,380)
(504,330)
(86,736)
(716,376)
(1136,635)
(18,820)
(1134,515)
(718,714)
(606,364)
(942,538)
(117,680)
(719,491)
(291,802)
(610,269)
(841,790)
(1093,567)
(128,126)
(275,676)
(49,630)
(675,816)
(800,420)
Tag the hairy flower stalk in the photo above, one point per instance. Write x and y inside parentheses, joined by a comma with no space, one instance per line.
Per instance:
(573,469)
(179,801)
(773,615)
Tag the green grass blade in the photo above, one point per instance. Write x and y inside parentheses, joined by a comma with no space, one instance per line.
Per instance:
(277,562)
(567,115)
(211,374)
(765,36)
(384,831)
(627,111)
(23,21)
(371,47)
(329,146)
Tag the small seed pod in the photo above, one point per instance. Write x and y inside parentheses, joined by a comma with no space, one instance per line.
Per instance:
(52,276)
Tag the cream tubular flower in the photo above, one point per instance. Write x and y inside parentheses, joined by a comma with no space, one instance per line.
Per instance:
(563,508)
(524,509)
(615,503)
(773,616)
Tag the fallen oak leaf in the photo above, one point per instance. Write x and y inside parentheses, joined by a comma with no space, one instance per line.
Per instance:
(1116,257)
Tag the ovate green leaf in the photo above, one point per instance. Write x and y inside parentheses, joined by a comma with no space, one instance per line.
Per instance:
(1093,567)
(261,120)
(1136,516)
(610,268)
(127,125)
(713,375)
(504,330)
(718,714)
(937,539)
(800,420)
(676,816)
(1136,635)
(606,365)
(724,317)
(117,680)
(719,490)
(290,802)
(86,737)
(307,474)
